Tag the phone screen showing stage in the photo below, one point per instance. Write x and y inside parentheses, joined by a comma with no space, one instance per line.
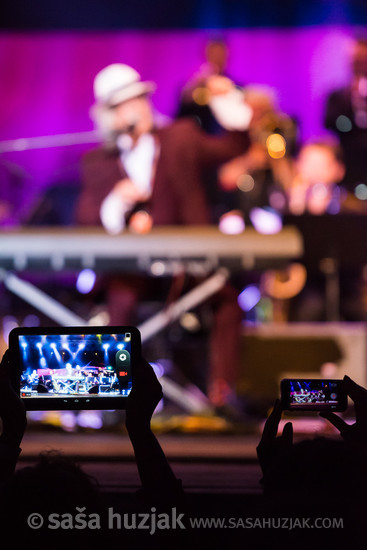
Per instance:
(75,365)
(307,394)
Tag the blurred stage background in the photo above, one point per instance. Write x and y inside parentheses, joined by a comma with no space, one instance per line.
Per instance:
(49,57)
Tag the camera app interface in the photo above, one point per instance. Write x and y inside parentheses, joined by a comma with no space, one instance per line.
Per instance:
(307,393)
(75,365)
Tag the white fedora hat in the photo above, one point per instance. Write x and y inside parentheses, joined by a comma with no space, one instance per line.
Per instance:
(117,83)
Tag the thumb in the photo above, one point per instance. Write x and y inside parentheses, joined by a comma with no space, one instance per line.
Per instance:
(287,433)
(354,390)
(335,420)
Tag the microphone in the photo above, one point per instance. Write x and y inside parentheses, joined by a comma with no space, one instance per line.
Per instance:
(129,129)
(131,125)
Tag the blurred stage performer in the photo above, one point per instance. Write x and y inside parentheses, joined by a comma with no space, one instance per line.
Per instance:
(316,186)
(194,102)
(260,176)
(147,175)
(346,116)
(316,190)
(195,95)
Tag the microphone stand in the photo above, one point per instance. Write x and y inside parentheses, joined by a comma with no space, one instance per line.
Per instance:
(43,142)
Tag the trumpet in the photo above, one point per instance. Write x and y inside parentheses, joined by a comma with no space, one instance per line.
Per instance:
(276,132)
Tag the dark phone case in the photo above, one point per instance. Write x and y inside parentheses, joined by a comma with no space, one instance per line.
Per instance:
(72,403)
(285,397)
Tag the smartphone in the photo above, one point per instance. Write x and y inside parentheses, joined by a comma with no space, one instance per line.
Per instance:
(74,367)
(305,394)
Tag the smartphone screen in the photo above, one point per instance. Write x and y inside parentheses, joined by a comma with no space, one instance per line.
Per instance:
(75,369)
(313,394)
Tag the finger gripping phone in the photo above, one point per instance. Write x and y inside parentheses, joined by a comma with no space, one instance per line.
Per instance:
(308,394)
(74,367)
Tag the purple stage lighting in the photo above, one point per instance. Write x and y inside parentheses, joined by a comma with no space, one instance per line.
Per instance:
(249,297)
(86,281)
(266,220)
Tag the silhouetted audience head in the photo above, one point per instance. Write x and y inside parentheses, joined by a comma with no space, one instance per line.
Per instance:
(56,480)
(54,484)
(320,480)
(320,467)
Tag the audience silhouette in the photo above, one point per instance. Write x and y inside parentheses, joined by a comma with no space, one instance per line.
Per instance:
(56,484)
(322,478)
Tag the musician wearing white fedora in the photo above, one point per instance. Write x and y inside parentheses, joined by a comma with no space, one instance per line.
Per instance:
(150,173)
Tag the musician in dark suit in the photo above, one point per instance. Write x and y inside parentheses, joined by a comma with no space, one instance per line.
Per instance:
(148,173)
(346,116)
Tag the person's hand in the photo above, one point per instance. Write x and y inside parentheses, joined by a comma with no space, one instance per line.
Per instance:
(230,173)
(144,397)
(257,157)
(356,432)
(128,192)
(141,222)
(270,445)
(159,483)
(218,85)
(12,410)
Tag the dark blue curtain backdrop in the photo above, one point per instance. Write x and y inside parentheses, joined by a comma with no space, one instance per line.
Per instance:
(168,14)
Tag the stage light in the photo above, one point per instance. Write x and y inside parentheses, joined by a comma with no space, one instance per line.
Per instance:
(158,369)
(86,281)
(68,420)
(249,298)
(276,146)
(90,419)
(158,268)
(190,322)
(343,123)
(56,352)
(361,191)
(105,347)
(31,321)
(9,322)
(277,200)
(245,183)
(266,220)
(66,347)
(100,319)
(231,224)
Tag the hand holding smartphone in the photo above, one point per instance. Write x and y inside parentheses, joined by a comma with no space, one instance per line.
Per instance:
(74,367)
(305,394)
